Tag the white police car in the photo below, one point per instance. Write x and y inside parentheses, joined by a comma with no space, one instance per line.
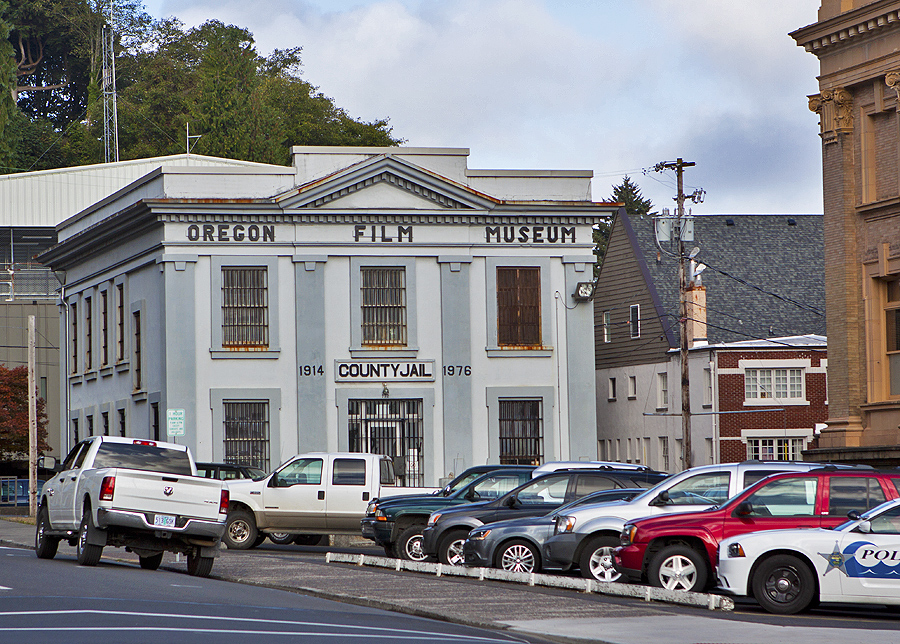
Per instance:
(789,570)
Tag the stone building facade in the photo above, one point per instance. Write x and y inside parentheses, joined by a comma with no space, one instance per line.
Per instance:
(857,43)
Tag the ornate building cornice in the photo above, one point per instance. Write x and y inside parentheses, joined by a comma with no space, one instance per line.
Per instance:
(846,29)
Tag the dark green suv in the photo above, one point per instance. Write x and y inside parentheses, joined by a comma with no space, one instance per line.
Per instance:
(396,522)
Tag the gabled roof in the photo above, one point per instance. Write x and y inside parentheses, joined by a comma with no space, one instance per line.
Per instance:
(765,275)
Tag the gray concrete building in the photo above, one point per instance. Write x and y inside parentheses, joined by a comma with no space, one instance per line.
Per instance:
(386,300)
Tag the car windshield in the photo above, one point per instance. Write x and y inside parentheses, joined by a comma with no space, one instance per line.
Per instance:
(460,482)
(491,485)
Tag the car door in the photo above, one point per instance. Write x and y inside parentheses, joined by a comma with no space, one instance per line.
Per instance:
(538,497)
(295,495)
(780,503)
(868,562)
(62,509)
(346,494)
(697,492)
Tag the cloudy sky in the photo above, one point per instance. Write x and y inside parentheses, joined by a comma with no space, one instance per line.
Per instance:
(612,86)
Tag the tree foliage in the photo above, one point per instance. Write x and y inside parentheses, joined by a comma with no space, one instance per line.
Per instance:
(209,78)
(629,195)
(14,414)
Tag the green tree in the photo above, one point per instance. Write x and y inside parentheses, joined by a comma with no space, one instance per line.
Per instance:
(14,414)
(629,195)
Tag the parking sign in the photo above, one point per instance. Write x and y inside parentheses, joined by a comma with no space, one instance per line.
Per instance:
(175,422)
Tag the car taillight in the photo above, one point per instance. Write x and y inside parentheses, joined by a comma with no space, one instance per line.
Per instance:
(223,502)
(145,443)
(107,488)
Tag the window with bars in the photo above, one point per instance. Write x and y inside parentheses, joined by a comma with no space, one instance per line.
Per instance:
(122,422)
(521,432)
(775,449)
(120,322)
(245,307)
(518,306)
(137,354)
(88,334)
(73,312)
(393,428)
(383,304)
(773,383)
(247,433)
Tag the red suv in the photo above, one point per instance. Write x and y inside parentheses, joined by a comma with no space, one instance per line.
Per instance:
(679,551)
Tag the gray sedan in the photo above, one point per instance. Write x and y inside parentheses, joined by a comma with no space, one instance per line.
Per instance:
(515,545)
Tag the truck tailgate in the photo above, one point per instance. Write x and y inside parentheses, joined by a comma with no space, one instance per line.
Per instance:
(172,494)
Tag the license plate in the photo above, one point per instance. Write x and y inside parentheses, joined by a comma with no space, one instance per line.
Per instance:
(164,521)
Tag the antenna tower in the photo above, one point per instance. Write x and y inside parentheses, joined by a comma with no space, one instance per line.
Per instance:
(110,111)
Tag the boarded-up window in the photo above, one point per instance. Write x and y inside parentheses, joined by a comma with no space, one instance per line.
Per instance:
(521,432)
(245,307)
(518,306)
(383,300)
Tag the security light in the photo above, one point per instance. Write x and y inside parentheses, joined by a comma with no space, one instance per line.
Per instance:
(584,291)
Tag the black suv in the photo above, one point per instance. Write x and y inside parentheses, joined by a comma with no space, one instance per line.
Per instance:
(447,529)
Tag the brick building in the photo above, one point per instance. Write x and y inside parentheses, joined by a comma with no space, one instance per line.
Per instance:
(857,43)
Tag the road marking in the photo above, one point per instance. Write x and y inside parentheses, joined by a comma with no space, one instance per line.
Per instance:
(328,629)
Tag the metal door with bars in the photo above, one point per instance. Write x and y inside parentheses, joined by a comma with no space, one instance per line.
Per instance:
(393,428)
(247,433)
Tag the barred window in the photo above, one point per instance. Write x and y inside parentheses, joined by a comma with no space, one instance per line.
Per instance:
(391,427)
(88,334)
(518,306)
(245,307)
(137,353)
(383,301)
(247,433)
(120,322)
(73,313)
(521,432)
(104,329)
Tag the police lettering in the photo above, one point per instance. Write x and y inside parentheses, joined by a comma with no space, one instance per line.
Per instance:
(229,233)
(533,234)
(880,555)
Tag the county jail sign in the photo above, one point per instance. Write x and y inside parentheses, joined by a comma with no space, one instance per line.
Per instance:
(384,371)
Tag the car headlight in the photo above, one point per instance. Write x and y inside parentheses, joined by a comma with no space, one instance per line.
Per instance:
(628,534)
(371,508)
(735,550)
(433,518)
(479,535)
(564,524)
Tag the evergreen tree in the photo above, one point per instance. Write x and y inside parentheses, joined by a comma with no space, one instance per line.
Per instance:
(629,195)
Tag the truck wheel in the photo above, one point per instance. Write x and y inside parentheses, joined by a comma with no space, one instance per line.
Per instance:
(678,567)
(309,539)
(596,560)
(450,552)
(281,538)
(240,530)
(409,544)
(198,566)
(45,547)
(784,585)
(152,562)
(87,554)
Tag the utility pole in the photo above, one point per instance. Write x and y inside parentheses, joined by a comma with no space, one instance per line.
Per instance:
(32,423)
(678,166)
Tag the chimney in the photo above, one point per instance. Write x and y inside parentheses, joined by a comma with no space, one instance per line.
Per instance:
(696,316)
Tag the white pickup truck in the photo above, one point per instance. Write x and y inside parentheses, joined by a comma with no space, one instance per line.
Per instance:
(308,496)
(140,494)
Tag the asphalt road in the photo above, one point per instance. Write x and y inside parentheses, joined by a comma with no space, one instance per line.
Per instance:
(59,601)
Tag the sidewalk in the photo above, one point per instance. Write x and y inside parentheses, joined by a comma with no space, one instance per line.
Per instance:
(553,613)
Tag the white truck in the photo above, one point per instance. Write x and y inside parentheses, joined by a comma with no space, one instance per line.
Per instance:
(309,496)
(139,494)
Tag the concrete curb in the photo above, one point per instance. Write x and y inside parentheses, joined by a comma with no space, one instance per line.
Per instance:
(647,593)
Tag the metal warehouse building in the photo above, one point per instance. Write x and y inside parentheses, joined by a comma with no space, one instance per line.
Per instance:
(386,300)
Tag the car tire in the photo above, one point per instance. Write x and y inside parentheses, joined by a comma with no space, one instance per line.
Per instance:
(518,556)
(678,567)
(409,544)
(784,585)
(44,547)
(240,530)
(450,552)
(596,560)
(198,566)
(152,562)
(87,554)
(309,539)
(281,538)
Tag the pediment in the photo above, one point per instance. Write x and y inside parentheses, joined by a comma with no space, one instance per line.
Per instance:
(387,184)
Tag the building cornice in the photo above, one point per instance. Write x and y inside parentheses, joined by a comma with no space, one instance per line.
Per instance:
(849,27)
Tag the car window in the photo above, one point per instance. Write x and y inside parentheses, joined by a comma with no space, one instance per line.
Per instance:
(349,471)
(464,481)
(588,483)
(303,471)
(206,472)
(545,491)
(794,497)
(709,488)
(142,455)
(887,522)
(754,476)
(227,474)
(69,463)
(496,485)
(846,493)
(386,472)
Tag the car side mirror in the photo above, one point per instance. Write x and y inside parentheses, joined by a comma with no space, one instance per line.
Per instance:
(48,463)
(661,499)
(853,515)
(744,509)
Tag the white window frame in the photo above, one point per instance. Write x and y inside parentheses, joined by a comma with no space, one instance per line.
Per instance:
(632,387)
(607,326)
(761,382)
(634,321)
(662,390)
(797,438)
(611,393)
